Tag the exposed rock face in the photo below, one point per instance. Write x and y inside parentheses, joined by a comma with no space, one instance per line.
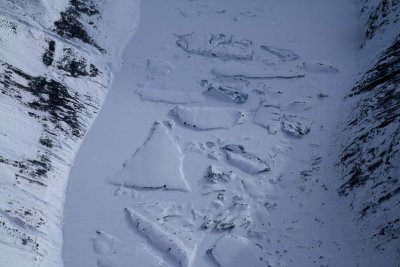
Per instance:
(370,154)
(55,69)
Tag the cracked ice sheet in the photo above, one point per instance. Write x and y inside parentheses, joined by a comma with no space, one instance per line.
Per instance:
(168,96)
(237,251)
(216,45)
(208,118)
(156,164)
(257,70)
(165,227)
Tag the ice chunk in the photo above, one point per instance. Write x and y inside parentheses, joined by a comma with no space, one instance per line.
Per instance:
(268,116)
(216,45)
(319,67)
(256,70)
(217,174)
(158,66)
(298,106)
(237,251)
(245,161)
(168,237)
(168,96)
(208,118)
(111,253)
(282,53)
(156,164)
(295,126)
(227,94)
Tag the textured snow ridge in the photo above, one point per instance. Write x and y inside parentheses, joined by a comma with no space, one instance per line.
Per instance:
(156,164)
(237,251)
(208,118)
(216,45)
(168,96)
(168,237)
(56,63)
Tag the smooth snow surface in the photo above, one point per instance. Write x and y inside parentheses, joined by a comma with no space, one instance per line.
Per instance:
(258,195)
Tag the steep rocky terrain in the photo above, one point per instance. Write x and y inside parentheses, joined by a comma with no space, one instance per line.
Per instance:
(370,138)
(56,63)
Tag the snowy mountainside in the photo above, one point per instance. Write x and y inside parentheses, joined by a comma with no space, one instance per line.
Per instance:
(370,148)
(56,65)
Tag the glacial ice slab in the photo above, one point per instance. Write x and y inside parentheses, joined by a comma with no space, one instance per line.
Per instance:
(282,53)
(221,46)
(249,163)
(162,225)
(257,70)
(208,118)
(156,164)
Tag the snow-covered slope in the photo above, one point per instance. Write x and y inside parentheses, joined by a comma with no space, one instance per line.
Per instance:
(370,139)
(56,64)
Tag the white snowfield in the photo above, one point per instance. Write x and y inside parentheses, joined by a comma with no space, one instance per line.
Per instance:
(219,143)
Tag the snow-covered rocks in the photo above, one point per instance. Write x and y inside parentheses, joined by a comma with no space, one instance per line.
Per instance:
(216,45)
(319,67)
(295,126)
(156,164)
(249,163)
(216,174)
(168,96)
(282,53)
(208,118)
(256,70)
(237,251)
(168,237)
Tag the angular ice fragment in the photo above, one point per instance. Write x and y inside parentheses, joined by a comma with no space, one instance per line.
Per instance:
(227,94)
(256,70)
(111,253)
(208,118)
(295,126)
(156,164)
(282,53)
(177,242)
(168,96)
(245,161)
(268,116)
(237,251)
(216,45)
(319,67)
